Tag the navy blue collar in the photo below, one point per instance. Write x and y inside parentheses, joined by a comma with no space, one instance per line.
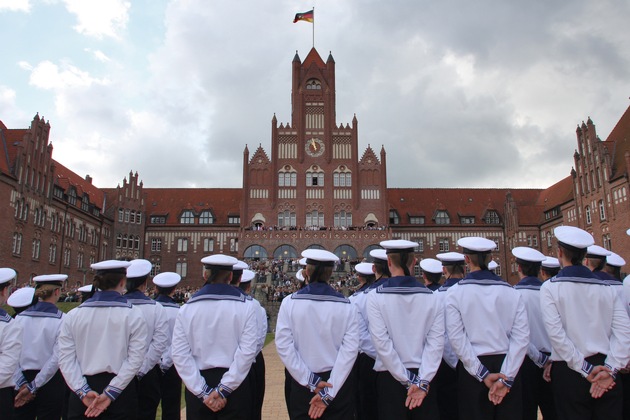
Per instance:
(107,298)
(43,309)
(165,299)
(602,275)
(379,282)
(448,283)
(483,278)
(4,316)
(136,295)
(577,274)
(319,291)
(433,286)
(362,288)
(403,285)
(218,291)
(530,281)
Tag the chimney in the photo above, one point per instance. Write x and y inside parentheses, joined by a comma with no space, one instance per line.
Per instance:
(88,179)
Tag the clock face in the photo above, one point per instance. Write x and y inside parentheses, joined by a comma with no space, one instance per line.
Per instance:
(314,147)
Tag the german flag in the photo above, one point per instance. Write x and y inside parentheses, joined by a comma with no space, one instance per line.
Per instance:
(307,16)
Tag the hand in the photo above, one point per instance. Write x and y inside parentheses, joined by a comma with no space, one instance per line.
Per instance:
(601,381)
(547,371)
(321,385)
(89,398)
(317,406)
(498,391)
(215,401)
(490,379)
(98,406)
(23,397)
(415,396)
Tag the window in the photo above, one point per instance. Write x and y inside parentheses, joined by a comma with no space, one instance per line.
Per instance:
(119,240)
(314,179)
(607,241)
(158,220)
(442,218)
(315,218)
(182,245)
(416,220)
(535,240)
(67,255)
(17,243)
(588,215)
(343,219)
(80,260)
(497,270)
(286,219)
(287,179)
(72,199)
(443,245)
(181,268)
(342,179)
(127,214)
(157,266)
(233,244)
(52,253)
(602,210)
(313,84)
(208,245)
(187,218)
(136,243)
(496,241)
(234,220)
(551,213)
(139,217)
(156,245)
(132,217)
(467,220)
(529,240)
(85,203)
(492,218)
(206,218)
(125,242)
(394,219)
(549,239)
(36,248)
(420,247)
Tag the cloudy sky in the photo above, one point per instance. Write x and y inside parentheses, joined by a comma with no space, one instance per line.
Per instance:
(460,93)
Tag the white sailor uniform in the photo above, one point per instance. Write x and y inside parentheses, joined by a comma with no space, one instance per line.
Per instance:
(317,338)
(536,391)
(10,347)
(587,325)
(102,344)
(39,362)
(214,345)
(170,382)
(486,323)
(406,323)
(157,343)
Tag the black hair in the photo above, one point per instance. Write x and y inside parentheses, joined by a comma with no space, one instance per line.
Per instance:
(550,271)
(575,255)
(107,280)
(135,282)
(433,277)
(529,268)
(165,290)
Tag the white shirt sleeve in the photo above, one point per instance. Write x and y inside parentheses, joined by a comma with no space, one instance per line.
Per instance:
(10,348)
(346,356)
(285,345)
(159,341)
(518,341)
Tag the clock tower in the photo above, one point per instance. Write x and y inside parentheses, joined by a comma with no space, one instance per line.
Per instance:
(314,179)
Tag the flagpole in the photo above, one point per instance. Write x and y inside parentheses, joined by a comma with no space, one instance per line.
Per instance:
(313,26)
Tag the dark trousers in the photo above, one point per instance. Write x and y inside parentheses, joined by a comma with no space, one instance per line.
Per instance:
(536,392)
(258,384)
(366,401)
(342,407)
(171,391)
(391,400)
(287,387)
(444,384)
(6,401)
(124,408)
(625,380)
(573,399)
(239,404)
(472,395)
(48,403)
(149,394)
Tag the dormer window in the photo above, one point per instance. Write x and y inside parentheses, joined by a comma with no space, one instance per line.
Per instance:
(313,84)
(492,218)
(187,218)
(442,218)
(206,218)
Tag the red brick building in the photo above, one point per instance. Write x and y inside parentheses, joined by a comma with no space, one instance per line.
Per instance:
(314,188)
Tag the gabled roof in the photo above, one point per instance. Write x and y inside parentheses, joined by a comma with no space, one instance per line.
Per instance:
(369,155)
(223,202)
(456,201)
(313,57)
(559,193)
(65,178)
(12,138)
(620,135)
(260,157)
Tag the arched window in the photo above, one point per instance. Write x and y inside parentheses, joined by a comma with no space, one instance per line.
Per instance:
(287,177)
(315,177)
(286,219)
(255,252)
(284,252)
(342,177)
(366,252)
(313,84)
(442,218)
(588,215)
(187,218)
(602,210)
(343,219)
(346,252)
(314,218)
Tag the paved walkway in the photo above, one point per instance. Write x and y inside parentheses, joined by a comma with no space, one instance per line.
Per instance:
(274,407)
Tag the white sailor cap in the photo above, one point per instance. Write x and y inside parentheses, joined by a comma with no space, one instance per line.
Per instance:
(50,278)
(364,269)
(6,275)
(21,298)
(248,276)
(116,266)
(551,262)
(219,262)
(476,244)
(431,265)
(139,268)
(378,254)
(85,289)
(615,260)
(573,237)
(302,261)
(492,265)
(299,275)
(528,255)
(240,265)
(451,258)
(394,246)
(628,232)
(166,279)
(320,257)
(596,251)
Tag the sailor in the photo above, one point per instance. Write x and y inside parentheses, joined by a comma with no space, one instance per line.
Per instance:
(614,263)
(381,267)
(444,383)
(10,346)
(102,344)
(257,372)
(157,337)
(596,261)
(549,268)
(589,332)
(431,273)
(406,323)
(317,339)
(212,369)
(170,382)
(365,276)
(86,292)
(22,299)
(536,391)
(40,386)
(487,326)
(492,266)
